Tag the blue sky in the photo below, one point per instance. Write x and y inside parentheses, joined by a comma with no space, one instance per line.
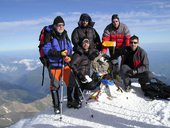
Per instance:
(22,20)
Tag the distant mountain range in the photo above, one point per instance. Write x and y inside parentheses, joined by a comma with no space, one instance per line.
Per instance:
(17,102)
(12,112)
(21,93)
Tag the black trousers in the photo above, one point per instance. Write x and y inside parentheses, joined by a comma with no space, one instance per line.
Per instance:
(143,78)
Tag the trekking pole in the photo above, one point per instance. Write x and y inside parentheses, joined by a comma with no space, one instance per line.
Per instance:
(82,94)
(61,95)
(43,75)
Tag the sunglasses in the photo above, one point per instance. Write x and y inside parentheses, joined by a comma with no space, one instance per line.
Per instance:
(133,42)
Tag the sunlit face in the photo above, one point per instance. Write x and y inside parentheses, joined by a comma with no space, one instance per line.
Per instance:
(86,45)
(134,44)
(116,23)
(85,23)
(59,27)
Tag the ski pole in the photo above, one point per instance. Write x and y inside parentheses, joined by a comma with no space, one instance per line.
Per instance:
(61,95)
(43,75)
(82,94)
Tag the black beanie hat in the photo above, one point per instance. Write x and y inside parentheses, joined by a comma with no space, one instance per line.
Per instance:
(115,16)
(57,20)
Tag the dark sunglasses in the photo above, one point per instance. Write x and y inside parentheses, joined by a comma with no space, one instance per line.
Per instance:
(133,42)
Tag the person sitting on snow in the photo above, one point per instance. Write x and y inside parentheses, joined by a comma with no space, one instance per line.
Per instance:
(80,64)
(135,64)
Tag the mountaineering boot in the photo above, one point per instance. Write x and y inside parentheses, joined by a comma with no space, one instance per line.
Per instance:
(69,104)
(74,104)
(56,110)
(55,99)
(78,104)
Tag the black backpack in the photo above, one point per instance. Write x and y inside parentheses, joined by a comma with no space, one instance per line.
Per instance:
(156,89)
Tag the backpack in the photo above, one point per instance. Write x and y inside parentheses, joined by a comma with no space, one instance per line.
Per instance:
(41,43)
(156,89)
(42,57)
(101,64)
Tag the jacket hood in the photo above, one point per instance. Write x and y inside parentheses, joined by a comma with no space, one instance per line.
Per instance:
(85,16)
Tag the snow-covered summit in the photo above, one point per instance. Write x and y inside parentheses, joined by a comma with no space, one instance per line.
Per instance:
(124,110)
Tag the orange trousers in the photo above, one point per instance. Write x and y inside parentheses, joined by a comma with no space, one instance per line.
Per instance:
(57,74)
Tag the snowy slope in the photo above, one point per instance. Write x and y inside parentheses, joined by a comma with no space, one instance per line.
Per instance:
(124,110)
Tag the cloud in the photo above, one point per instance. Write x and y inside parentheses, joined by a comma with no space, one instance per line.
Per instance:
(161,4)
(142,20)
(5,69)
(29,64)
(8,25)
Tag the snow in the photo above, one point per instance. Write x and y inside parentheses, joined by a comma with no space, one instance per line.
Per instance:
(124,110)
(6,109)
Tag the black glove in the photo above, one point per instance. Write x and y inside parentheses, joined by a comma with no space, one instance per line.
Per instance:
(53,53)
(132,72)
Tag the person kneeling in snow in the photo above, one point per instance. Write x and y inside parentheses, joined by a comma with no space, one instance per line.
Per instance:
(80,64)
(135,64)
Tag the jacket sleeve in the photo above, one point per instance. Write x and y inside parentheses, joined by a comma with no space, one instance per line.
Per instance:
(75,61)
(47,48)
(75,39)
(70,49)
(105,37)
(144,63)
(97,41)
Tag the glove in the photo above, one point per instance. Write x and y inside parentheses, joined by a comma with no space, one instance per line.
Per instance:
(53,53)
(67,59)
(132,72)
(64,53)
(88,78)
